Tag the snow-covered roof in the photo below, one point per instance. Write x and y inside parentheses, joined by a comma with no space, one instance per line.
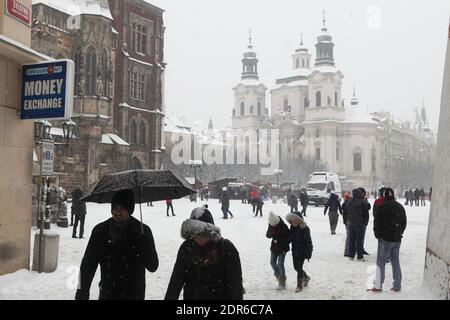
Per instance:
(356,115)
(79,7)
(58,132)
(190,180)
(326,69)
(106,139)
(118,140)
(251,82)
(175,125)
(295,83)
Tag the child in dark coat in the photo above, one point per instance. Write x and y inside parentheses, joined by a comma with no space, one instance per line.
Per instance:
(302,248)
(279,232)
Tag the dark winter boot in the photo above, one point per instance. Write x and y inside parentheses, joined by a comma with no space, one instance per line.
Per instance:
(306,281)
(299,285)
(281,283)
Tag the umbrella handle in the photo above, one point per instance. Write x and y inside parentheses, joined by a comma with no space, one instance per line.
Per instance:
(140,209)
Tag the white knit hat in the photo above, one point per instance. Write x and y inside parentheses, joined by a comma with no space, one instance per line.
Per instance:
(274,220)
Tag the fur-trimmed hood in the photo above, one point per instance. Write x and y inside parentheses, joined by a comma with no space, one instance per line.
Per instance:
(192,228)
(293,216)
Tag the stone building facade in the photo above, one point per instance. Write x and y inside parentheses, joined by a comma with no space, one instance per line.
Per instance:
(16,143)
(139,80)
(89,39)
(316,124)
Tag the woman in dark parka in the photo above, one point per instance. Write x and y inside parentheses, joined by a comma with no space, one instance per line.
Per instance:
(208,266)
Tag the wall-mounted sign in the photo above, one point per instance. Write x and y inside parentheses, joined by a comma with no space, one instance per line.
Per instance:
(47,158)
(47,90)
(19,11)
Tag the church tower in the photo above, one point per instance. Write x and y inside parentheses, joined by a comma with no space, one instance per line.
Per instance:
(250,94)
(325,47)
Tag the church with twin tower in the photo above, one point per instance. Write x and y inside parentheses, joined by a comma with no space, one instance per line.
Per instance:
(316,123)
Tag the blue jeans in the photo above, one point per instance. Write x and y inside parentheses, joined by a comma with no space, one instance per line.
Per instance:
(347,241)
(388,249)
(277,263)
(356,241)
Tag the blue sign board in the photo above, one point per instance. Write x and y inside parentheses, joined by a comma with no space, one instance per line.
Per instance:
(47,90)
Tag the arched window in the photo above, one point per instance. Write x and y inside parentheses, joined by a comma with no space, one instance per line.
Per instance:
(357,162)
(306,103)
(105,77)
(251,109)
(318,99)
(286,105)
(242,108)
(259,109)
(143,134)
(336,99)
(91,72)
(133,132)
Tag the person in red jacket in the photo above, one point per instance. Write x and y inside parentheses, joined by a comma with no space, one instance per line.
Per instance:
(379,201)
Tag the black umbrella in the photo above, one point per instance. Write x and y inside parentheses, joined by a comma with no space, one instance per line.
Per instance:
(147,186)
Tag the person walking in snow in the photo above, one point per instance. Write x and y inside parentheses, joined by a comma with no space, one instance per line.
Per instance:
(302,248)
(334,205)
(259,205)
(225,200)
(293,202)
(169,204)
(357,215)
(279,232)
(208,267)
(304,201)
(123,252)
(347,198)
(253,196)
(78,210)
(422,197)
(366,222)
(389,225)
(417,197)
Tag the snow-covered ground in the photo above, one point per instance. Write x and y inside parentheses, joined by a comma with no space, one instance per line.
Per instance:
(333,276)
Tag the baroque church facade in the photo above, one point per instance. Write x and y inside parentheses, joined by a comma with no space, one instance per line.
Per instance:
(315,123)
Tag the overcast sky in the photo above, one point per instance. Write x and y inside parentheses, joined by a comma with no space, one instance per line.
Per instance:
(394,57)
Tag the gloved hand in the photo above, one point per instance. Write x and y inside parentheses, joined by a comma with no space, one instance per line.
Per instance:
(81,295)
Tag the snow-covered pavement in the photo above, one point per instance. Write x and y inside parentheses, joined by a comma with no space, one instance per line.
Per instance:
(333,276)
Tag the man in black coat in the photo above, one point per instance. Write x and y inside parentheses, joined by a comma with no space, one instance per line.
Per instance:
(304,201)
(225,200)
(417,197)
(293,202)
(357,216)
(123,253)
(78,210)
(389,225)
(208,266)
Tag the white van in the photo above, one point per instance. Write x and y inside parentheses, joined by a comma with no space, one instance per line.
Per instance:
(321,185)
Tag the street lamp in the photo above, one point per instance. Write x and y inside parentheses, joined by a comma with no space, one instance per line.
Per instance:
(278,173)
(196,164)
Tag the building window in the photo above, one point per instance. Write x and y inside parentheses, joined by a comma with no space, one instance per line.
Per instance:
(286,107)
(317,133)
(259,109)
(297,64)
(374,160)
(357,162)
(105,77)
(242,109)
(234,112)
(337,154)
(139,38)
(336,99)
(91,72)
(143,134)
(303,63)
(137,86)
(133,132)
(317,154)
(251,109)
(306,102)
(318,99)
